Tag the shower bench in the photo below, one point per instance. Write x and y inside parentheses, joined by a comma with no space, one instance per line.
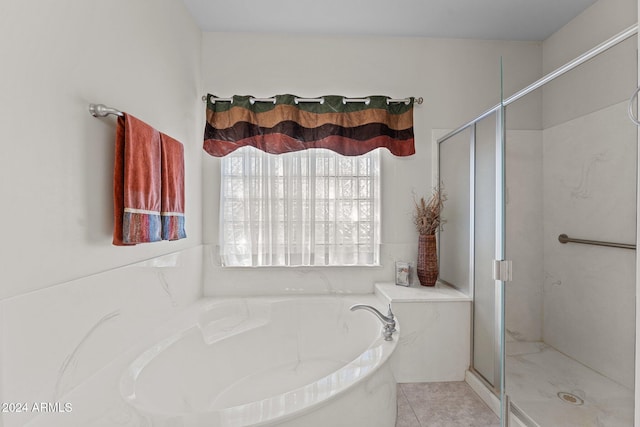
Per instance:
(434,334)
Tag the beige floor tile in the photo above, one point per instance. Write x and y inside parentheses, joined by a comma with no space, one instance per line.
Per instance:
(450,404)
(406,416)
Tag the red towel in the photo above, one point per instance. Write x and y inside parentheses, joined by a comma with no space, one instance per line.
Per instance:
(136,183)
(172,185)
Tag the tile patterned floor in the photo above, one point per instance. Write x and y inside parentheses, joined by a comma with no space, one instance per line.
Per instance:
(448,404)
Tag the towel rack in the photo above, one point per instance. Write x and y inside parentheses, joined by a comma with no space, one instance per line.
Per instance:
(101,110)
(563,238)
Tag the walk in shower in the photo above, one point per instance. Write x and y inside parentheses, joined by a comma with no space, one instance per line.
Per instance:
(534,186)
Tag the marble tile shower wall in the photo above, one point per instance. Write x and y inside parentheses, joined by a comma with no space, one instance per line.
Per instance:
(61,341)
(244,281)
(589,192)
(524,233)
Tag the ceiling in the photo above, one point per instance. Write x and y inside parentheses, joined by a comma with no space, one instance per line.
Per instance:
(478,19)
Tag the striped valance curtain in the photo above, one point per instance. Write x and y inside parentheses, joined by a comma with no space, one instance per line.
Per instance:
(348,128)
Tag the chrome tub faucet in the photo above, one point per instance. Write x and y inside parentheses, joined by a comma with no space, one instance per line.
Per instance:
(388,321)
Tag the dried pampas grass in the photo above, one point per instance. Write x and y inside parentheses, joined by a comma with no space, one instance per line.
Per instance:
(427,216)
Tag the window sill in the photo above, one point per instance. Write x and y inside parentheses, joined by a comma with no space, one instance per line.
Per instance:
(305,267)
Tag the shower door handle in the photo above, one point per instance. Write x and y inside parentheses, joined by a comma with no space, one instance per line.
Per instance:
(634,97)
(502,270)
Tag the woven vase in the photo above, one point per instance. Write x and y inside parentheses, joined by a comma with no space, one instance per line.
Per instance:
(427,260)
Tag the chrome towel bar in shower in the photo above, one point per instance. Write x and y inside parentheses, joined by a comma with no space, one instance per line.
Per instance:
(563,238)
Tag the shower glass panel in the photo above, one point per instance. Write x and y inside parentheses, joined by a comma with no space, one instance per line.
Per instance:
(467,172)
(453,240)
(571,167)
(485,333)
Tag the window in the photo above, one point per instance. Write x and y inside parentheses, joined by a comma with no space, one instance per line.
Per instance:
(306,208)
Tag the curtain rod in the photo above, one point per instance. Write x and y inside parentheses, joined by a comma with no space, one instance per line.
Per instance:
(101,110)
(320,100)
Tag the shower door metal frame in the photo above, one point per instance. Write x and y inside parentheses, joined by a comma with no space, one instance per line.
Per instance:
(636,412)
(500,252)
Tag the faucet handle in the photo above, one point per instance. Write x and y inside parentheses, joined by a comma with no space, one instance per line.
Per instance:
(390,313)
(393,319)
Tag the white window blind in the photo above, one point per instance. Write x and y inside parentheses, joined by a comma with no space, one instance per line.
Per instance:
(306,208)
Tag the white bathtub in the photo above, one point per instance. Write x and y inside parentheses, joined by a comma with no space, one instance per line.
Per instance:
(268,361)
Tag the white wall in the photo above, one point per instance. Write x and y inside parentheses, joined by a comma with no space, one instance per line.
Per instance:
(60,321)
(457,78)
(56,168)
(71,343)
(606,79)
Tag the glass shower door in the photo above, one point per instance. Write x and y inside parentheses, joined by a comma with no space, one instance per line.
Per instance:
(485,335)
(472,169)
(488,246)
(454,237)
(571,306)
(471,172)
